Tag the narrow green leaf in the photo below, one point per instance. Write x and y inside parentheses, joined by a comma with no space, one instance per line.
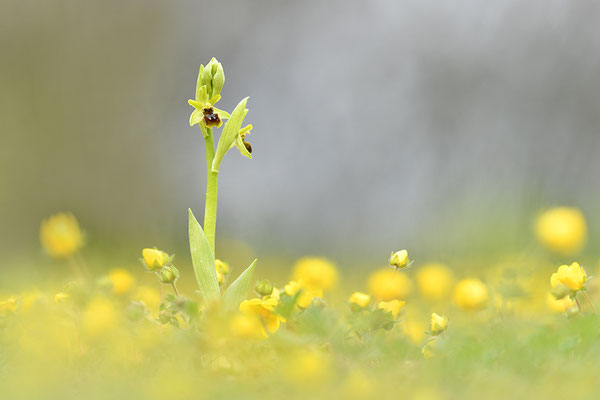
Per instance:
(229,134)
(203,261)
(238,290)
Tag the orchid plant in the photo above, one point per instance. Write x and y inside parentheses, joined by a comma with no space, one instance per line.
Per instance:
(211,79)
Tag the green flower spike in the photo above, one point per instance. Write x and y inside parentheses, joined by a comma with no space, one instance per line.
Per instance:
(208,88)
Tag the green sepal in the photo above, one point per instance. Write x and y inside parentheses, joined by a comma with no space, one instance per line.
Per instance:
(230,132)
(238,290)
(203,262)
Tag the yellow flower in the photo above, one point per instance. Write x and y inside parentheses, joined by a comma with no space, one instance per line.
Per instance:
(306,296)
(99,317)
(315,273)
(122,281)
(359,301)
(265,309)
(471,294)
(572,276)
(392,306)
(60,235)
(221,267)
(560,305)
(155,259)
(434,281)
(562,229)
(399,259)
(386,284)
(247,326)
(439,324)
(8,305)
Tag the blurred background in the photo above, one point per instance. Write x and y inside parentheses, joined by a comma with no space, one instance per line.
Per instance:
(442,127)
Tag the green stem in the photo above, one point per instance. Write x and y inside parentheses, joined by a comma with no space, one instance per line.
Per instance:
(210,207)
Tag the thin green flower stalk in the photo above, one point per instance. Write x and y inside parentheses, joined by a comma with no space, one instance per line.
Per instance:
(202,240)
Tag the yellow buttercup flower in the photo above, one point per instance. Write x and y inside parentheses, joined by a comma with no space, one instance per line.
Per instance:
(265,309)
(471,294)
(439,324)
(315,273)
(247,326)
(560,305)
(571,276)
(60,235)
(359,301)
(562,230)
(155,259)
(435,281)
(399,259)
(392,306)
(122,281)
(386,284)
(306,296)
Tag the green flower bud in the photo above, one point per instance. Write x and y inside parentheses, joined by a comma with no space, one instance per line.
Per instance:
(263,287)
(213,77)
(168,274)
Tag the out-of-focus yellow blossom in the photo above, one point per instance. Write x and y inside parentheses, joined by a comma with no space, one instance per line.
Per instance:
(562,230)
(155,258)
(560,305)
(247,326)
(60,235)
(399,259)
(308,367)
(358,386)
(122,281)
(392,306)
(61,297)
(359,301)
(315,273)
(439,324)
(99,317)
(8,305)
(306,295)
(265,309)
(147,295)
(471,294)
(435,281)
(221,267)
(430,349)
(571,276)
(385,284)
(222,271)
(276,294)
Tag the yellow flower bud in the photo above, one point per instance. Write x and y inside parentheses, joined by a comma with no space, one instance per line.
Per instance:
(572,276)
(221,267)
(60,235)
(155,258)
(438,324)
(560,305)
(399,259)
(562,230)
(471,294)
(392,306)
(359,301)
